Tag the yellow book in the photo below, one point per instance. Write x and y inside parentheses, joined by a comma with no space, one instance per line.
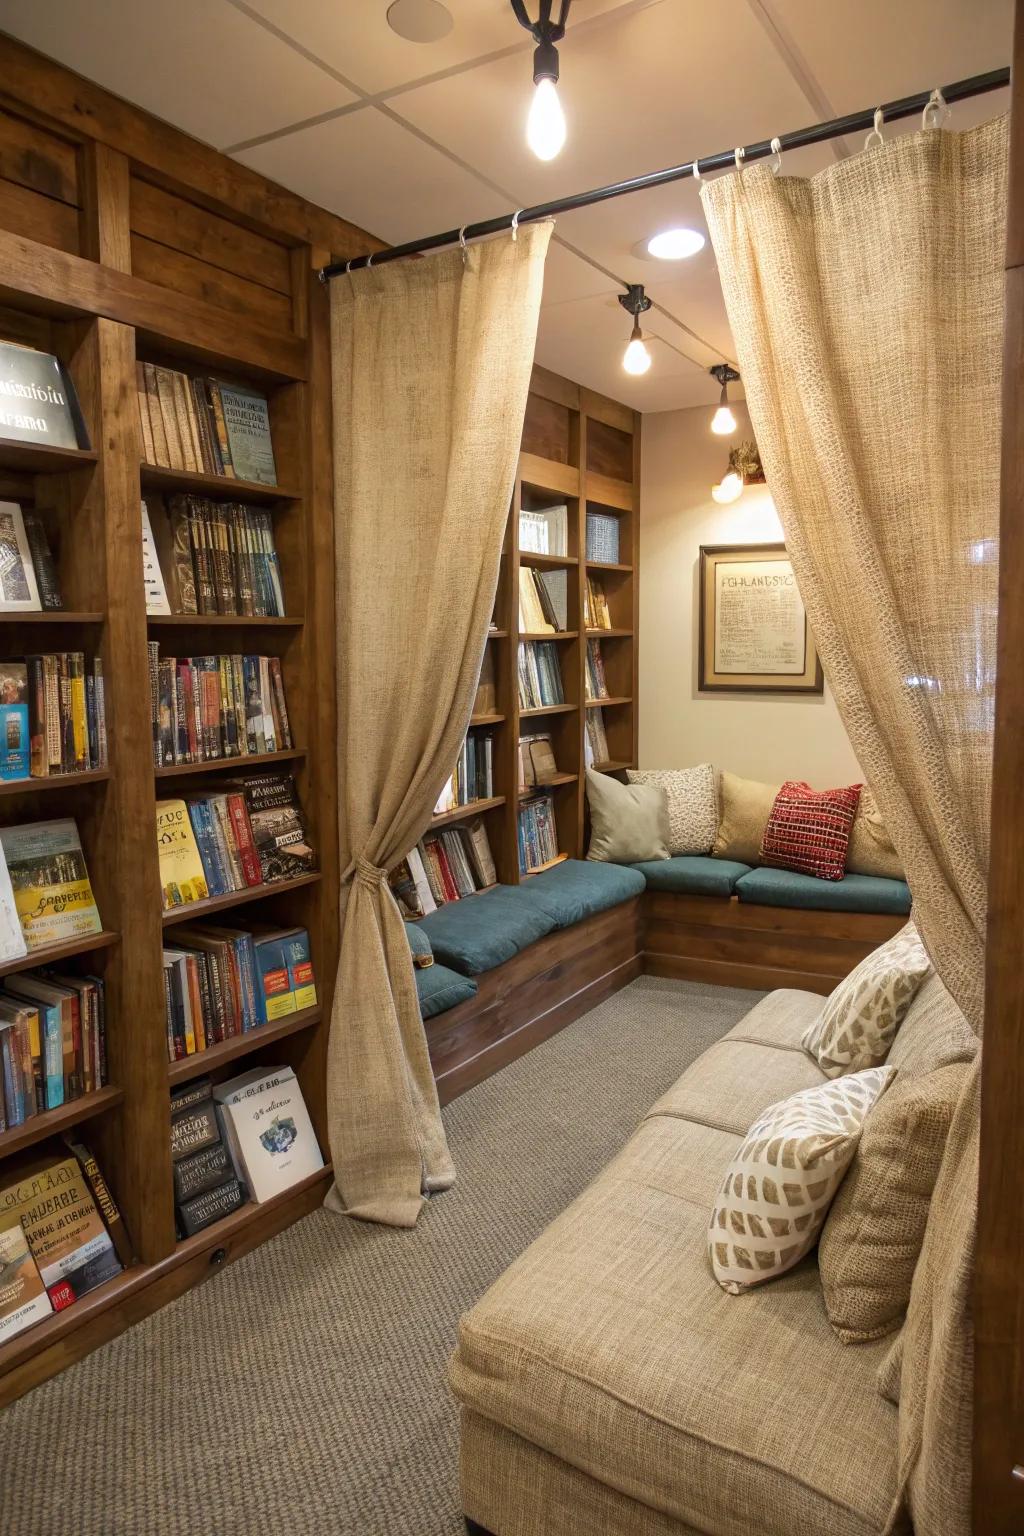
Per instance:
(65,1232)
(52,894)
(182,877)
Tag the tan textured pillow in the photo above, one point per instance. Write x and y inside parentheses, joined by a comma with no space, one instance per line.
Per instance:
(744,806)
(628,822)
(692,810)
(872,1239)
(858,1023)
(781,1181)
(870,850)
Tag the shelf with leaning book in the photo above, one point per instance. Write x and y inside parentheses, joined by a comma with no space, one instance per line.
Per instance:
(53,1122)
(226,764)
(218,1055)
(208,904)
(161,478)
(206,424)
(43,459)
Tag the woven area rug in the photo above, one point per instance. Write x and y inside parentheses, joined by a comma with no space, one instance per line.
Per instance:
(303,1390)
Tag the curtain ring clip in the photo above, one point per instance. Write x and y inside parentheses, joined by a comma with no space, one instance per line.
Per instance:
(776,156)
(515,225)
(462,242)
(369,260)
(696,170)
(936,110)
(738,155)
(875,136)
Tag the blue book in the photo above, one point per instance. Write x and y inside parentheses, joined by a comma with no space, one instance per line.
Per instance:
(14,737)
(202,825)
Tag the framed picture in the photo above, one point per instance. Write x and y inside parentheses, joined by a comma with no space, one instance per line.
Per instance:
(754,636)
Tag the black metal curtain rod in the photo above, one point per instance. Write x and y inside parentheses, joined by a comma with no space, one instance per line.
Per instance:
(854,122)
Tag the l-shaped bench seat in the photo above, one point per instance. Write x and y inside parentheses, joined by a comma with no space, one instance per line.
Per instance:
(514,964)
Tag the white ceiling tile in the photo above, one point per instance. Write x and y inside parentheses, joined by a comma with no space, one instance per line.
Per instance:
(199,64)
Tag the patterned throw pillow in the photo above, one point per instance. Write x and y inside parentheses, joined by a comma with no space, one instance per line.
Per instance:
(692,811)
(781,1182)
(858,1023)
(809,830)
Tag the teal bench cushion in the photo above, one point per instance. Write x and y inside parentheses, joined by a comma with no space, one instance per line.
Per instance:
(579,888)
(693,875)
(480,932)
(440,989)
(418,941)
(853,893)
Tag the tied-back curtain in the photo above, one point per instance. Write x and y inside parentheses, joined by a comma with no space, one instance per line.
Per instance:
(867,309)
(431,368)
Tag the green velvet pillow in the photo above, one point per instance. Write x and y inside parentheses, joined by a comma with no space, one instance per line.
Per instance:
(628,822)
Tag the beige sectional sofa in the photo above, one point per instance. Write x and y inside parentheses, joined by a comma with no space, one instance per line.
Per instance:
(609,1387)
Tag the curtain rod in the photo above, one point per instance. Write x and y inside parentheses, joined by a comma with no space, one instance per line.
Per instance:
(818,133)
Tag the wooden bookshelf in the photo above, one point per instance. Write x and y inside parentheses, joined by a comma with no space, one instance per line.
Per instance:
(123,240)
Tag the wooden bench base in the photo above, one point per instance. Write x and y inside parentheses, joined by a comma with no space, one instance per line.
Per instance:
(660,933)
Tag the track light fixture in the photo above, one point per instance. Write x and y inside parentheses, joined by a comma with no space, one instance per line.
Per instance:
(545,126)
(636,358)
(723,422)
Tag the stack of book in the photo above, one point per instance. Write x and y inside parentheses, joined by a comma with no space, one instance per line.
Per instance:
(52,716)
(603,538)
(538,834)
(223,982)
(540,674)
(444,866)
(536,760)
(545,532)
(45,895)
(28,576)
(53,1042)
(206,1186)
(216,556)
(595,605)
(595,745)
(542,600)
(205,425)
(251,833)
(597,687)
(204,708)
(61,1235)
(473,778)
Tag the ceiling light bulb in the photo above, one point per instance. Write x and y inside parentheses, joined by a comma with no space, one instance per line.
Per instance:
(675,244)
(723,422)
(545,126)
(636,359)
(730,489)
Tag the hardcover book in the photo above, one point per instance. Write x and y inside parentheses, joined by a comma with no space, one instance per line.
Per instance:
(42,560)
(65,1231)
(19,591)
(104,1199)
(247,423)
(152,576)
(193,1130)
(205,1209)
(14,728)
(52,893)
(268,1130)
(37,400)
(182,876)
(200,1171)
(23,1298)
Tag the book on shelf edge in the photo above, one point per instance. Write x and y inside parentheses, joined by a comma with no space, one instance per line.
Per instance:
(212,1205)
(38,403)
(23,1298)
(268,1130)
(65,1231)
(104,1199)
(52,893)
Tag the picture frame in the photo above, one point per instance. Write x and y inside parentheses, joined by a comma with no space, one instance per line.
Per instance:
(753,631)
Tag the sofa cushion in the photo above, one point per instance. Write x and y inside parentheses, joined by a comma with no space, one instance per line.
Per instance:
(854,893)
(577,888)
(419,943)
(731,1084)
(440,989)
(933,1034)
(692,806)
(693,875)
(860,1017)
(482,931)
(609,1344)
(779,1019)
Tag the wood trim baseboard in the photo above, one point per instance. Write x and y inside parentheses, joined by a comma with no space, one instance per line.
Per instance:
(730,973)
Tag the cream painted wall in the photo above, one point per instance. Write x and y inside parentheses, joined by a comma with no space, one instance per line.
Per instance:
(768,737)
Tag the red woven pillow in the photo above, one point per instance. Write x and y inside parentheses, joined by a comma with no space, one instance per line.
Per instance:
(808,830)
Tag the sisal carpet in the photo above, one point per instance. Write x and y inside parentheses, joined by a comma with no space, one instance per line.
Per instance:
(303,1389)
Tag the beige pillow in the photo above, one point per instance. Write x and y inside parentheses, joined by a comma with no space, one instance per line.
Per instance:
(860,1018)
(781,1182)
(628,822)
(744,806)
(870,850)
(872,1239)
(692,810)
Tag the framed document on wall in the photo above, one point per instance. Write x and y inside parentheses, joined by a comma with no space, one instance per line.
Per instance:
(754,636)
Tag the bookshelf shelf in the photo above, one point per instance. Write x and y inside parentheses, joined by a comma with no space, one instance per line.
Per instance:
(611,702)
(52,616)
(52,1121)
(49,954)
(218,621)
(497,634)
(609,634)
(250,1214)
(486,719)
(612,766)
(229,764)
(61,1325)
(607,565)
(551,634)
(463,812)
(553,783)
(37,460)
(547,562)
(201,1062)
(547,709)
(224,487)
(199,909)
(53,781)
(527,874)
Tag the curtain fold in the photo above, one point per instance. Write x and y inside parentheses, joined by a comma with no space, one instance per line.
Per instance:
(866,305)
(431,364)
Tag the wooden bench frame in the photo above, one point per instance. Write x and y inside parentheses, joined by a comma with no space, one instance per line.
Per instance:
(660,933)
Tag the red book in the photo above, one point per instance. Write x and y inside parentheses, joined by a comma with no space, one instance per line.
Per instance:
(240,826)
(451,890)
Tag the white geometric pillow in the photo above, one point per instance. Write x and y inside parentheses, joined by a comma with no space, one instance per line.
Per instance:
(692,806)
(858,1023)
(781,1182)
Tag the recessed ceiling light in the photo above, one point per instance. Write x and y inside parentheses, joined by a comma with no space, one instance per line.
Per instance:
(420,21)
(675,244)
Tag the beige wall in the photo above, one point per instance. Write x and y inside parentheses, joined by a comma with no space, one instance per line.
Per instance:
(761,737)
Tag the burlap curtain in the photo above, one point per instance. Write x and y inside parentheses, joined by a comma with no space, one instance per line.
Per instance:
(867,309)
(431,370)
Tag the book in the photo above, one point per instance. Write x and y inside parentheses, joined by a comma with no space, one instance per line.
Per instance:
(204,708)
(210,1206)
(486,701)
(38,403)
(19,590)
(595,605)
(152,576)
(595,742)
(182,871)
(268,1130)
(278,827)
(538,835)
(15,760)
(201,1171)
(603,538)
(285,971)
(540,674)
(23,1298)
(247,424)
(532,616)
(52,893)
(42,560)
(61,1028)
(411,887)
(193,1129)
(13,945)
(553,591)
(64,1229)
(104,1200)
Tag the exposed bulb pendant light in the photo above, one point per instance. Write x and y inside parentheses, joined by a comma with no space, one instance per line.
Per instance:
(636,359)
(724,422)
(545,125)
